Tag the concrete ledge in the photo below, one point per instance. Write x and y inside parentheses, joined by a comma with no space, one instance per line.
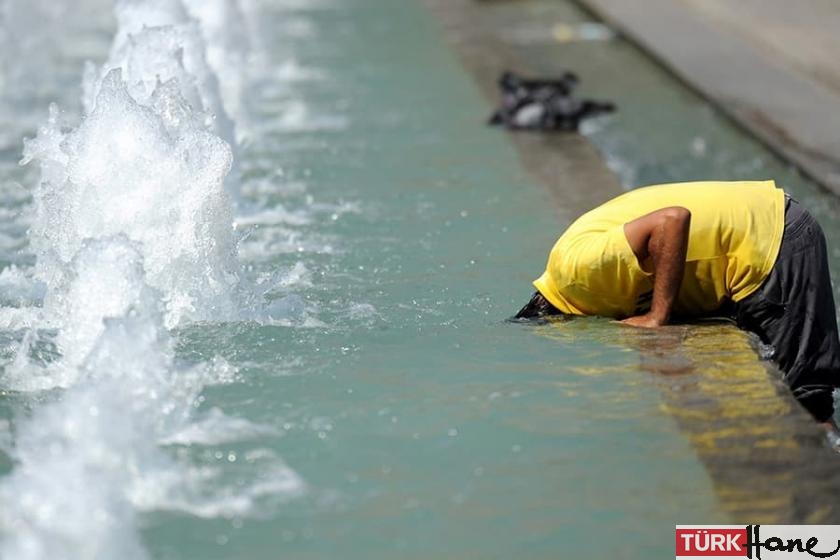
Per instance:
(795,115)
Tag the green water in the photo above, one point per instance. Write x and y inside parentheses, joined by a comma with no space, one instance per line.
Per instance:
(423,423)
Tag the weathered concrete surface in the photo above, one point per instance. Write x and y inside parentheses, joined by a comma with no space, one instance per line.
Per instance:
(567,164)
(772,65)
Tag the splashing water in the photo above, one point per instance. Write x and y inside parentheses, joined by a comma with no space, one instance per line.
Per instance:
(149,171)
(86,453)
(228,37)
(132,230)
(157,42)
(34,36)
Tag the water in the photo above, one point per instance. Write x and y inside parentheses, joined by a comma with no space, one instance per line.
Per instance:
(751,447)
(280,332)
(132,233)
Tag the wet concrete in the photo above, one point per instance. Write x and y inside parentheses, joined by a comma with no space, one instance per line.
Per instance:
(771,65)
(766,460)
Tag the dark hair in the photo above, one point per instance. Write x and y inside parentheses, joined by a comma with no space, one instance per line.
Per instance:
(537,307)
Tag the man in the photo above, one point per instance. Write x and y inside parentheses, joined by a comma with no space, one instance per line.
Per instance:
(743,249)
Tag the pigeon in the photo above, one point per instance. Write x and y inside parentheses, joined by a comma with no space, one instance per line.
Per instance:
(544,104)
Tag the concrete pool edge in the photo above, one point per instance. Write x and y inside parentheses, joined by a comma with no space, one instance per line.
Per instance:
(791,122)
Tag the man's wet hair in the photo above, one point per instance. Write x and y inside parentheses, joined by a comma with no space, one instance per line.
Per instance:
(537,307)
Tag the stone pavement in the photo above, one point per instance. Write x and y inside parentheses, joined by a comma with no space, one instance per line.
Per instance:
(772,65)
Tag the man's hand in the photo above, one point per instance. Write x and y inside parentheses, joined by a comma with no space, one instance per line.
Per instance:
(660,242)
(645,321)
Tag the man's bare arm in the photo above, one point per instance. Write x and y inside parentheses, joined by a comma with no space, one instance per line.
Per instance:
(660,241)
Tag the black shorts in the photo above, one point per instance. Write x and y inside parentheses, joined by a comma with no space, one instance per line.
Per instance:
(793,311)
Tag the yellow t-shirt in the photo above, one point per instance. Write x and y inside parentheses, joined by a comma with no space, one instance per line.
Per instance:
(734,239)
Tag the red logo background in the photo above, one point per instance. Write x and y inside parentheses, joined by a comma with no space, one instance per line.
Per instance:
(707,537)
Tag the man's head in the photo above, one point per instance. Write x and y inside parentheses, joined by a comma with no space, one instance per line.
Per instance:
(537,307)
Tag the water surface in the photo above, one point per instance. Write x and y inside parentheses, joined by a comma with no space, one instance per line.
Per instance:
(390,235)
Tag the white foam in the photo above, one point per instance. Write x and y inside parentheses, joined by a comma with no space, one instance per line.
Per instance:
(76,457)
(228,39)
(88,462)
(274,216)
(215,428)
(298,276)
(198,492)
(19,289)
(17,318)
(151,49)
(105,280)
(133,232)
(40,40)
(155,177)
(296,116)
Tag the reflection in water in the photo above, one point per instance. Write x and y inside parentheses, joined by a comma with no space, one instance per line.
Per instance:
(767,459)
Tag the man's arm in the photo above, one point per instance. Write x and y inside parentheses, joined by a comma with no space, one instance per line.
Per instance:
(660,241)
